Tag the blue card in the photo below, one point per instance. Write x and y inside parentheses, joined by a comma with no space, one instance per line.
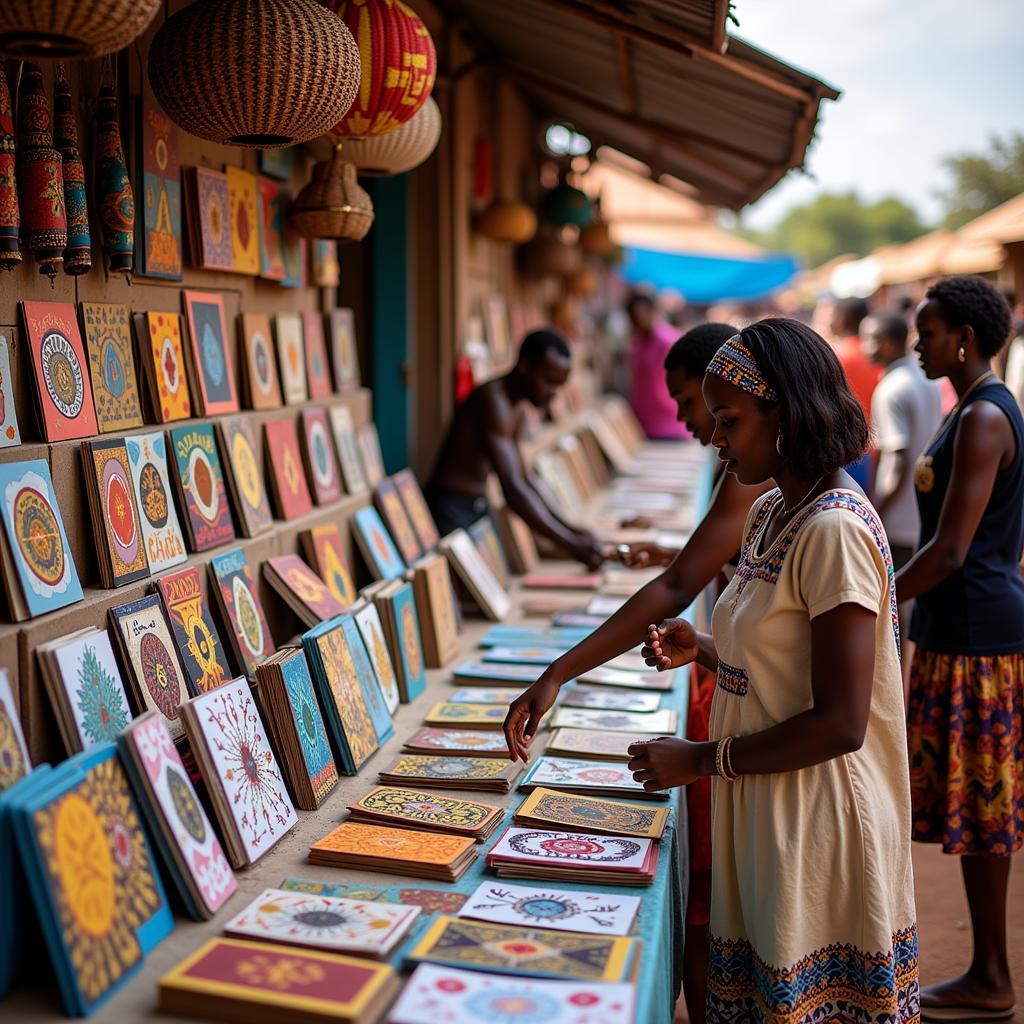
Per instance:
(375,543)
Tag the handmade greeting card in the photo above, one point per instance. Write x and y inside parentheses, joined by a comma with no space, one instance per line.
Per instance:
(272,226)
(370,629)
(545,807)
(14,760)
(291,356)
(321,467)
(389,503)
(111,366)
(161,530)
(211,359)
(318,373)
(416,508)
(161,192)
(304,591)
(370,453)
(245,233)
(344,431)
(165,360)
(195,635)
(287,477)
(473,716)
(201,486)
(457,741)
(214,218)
(369,683)
(344,354)
(376,545)
(259,367)
(239,444)
(239,601)
(325,552)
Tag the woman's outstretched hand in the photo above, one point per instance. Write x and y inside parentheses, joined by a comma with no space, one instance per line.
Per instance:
(670,645)
(524,715)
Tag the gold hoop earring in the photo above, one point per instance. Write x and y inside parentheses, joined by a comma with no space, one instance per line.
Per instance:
(961,354)
(778,445)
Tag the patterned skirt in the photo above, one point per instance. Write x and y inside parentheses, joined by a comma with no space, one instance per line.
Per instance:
(966,739)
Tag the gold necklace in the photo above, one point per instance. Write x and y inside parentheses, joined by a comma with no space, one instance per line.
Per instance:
(795,508)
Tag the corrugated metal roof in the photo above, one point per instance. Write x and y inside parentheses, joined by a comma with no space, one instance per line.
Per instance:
(649,77)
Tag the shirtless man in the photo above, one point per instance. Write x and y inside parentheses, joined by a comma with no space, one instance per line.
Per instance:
(483,436)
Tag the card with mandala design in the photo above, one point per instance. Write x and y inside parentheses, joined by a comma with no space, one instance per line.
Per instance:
(210,189)
(663,722)
(453,771)
(401,621)
(321,466)
(372,690)
(161,189)
(200,483)
(45,577)
(10,434)
(344,354)
(433,901)
(291,357)
(185,836)
(318,373)
(344,430)
(259,367)
(370,629)
(417,509)
(503,695)
(411,808)
(564,910)
(473,716)
(485,537)
(85,688)
(361,927)
(303,591)
(115,514)
(576,776)
(571,849)
(369,452)
(210,355)
(594,743)
(236,979)
(195,636)
(603,698)
(161,529)
(94,882)
(239,601)
(163,361)
(245,232)
(156,680)
(457,741)
(389,504)
(375,543)
(445,995)
(325,552)
(63,387)
(232,748)
(545,808)
(115,390)
(515,949)
(241,450)
(287,477)
(15,763)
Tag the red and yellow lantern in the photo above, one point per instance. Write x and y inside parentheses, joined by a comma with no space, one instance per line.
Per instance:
(398,60)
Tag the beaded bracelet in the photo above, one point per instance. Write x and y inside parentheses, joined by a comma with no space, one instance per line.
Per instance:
(723,762)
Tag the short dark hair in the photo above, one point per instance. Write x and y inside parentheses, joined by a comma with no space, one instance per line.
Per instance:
(639,299)
(537,344)
(892,327)
(695,349)
(967,299)
(853,310)
(822,424)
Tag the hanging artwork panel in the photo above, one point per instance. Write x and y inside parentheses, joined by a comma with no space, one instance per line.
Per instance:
(214,218)
(161,188)
(272,227)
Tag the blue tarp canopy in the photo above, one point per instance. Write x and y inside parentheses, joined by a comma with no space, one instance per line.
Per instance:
(704,279)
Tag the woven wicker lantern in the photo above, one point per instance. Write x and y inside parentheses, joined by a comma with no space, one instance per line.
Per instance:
(34,29)
(399,65)
(256,73)
(333,204)
(380,156)
(548,254)
(507,220)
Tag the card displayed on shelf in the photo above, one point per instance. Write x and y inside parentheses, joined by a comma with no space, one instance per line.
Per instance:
(161,249)
(235,760)
(486,774)
(318,373)
(208,213)
(162,535)
(472,716)
(325,552)
(200,485)
(597,744)
(518,949)
(291,357)
(435,993)
(400,527)
(396,605)
(297,728)
(370,454)
(15,762)
(344,430)
(185,837)
(546,808)
(375,544)
(344,354)
(594,779)
(301,589)
(608,699)
(10,434)
(241,449)
(259,367)
(210,362)
(237,597)
(474,572)
(318,451)
(417,509)
(115,390)
(372,688)
(663,722)
(163,365)
(195,636)
(415,809)
(503,695)
(372,632)
(457,741)
(272,227)
(245,236)
(517,537)
(287,477)
(435,603)
(485,537)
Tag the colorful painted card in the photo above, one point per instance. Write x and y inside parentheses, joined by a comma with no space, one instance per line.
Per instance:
(372,689)
(161,529)
(515,949)
(195,635)
(595,743)
(472,671)
(35,542)
(325,552)
(185,835)
(457,741)
(444,994)
(278,163)
(485,537)
(287,477)
(572,849)
(294,249)
(166,358)
(10,434)
(370,453)
(366,928)
(445,901)
(263,388)
(93,878)
(272,226)
(63,388)
(309,726)
(302,586)
(239,600)
(291,357)
(663,722)
(472,716)
(245,219)
(563,910)
(211,357)
(364,842)
(15,763)
(467,562)
(429,768)
(605,698)
(400,527)
(523,655)
(545,808)
(321,467)
(372,632)
(161,190)
(417,509)
(435,602)
(318,373)
(204,497)
(628,679)
(408,640)
(576,775)
(344,354)
(344,431)
(226,978)
(115,389)
(375,543)
(411,807)
(241,450)
(323,257)
(214,219)
(155,676)
(503,695)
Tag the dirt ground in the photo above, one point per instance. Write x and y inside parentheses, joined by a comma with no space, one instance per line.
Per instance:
(943,924)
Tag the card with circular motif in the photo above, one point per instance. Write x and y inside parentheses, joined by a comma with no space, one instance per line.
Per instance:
(426,766)
(111,365)
(195,635)
(197,469)
(291,357)
(15,763)
(393,803)
(399,525)
(457,741)
(325,552)
(241,449)
(318,373)
(161,528)
(417,509)
(288,478)
(245,232)
(164,361)
(345,355)
(344,430)
(309,725)
(239,600)
(410,662)
(544,807)
(210,354)
(321,466)
(263,388)
(213,209)
(370,628)
(478,716)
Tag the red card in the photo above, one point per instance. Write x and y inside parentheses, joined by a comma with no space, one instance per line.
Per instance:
(289,478)
(321,465)
(318,374)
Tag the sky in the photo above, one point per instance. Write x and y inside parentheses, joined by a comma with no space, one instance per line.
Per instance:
(920,79)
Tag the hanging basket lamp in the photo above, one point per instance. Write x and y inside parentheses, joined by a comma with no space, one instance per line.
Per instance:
(333,204)
(507,220)
(58,29)
(399,65)
(379,156)
(565,205)
(549,254)
(254,73)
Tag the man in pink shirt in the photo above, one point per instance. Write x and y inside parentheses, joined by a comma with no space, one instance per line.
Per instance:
(648,346)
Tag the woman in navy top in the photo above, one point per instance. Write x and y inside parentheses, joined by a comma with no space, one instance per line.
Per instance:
(967,676)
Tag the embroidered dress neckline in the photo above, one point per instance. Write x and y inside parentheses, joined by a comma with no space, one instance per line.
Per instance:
(757,528)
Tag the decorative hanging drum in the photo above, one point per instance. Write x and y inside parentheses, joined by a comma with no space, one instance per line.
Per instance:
(256,73)
(10,219)
(380,156)
(399,65)
(78,254)
(333,204)
(507,220)
(115,199)
(565,205)
(72,28)
(41,184)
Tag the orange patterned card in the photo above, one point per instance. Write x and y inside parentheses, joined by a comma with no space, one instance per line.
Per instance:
(245,236)
(166,362)
(392,844)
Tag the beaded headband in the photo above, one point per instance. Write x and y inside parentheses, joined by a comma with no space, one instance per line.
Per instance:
(735,364)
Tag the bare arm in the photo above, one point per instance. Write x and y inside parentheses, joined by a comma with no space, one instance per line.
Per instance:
(904,468)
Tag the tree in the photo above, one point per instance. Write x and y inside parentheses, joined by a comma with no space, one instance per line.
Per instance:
(983,180)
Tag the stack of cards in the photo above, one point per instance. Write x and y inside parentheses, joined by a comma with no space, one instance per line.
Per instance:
(609,699)
(662,723)
(573,776)
(473,716)
(395,851)
(457,741)
(546,808)
(603,676)
(484,673)
(435,604)
(481,582)
(397,609)
(412,808)
(486,774)
(503,695)
(519,635)
(562,581)
(594,744)
(301,589)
